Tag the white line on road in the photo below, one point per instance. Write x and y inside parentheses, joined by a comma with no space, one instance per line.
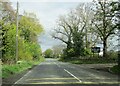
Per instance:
(21,78)
(72,75)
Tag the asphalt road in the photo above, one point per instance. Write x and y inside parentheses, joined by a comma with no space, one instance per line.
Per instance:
(54,73)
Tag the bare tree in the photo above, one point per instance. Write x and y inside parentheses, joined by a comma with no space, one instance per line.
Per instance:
(72,28)
(103,22)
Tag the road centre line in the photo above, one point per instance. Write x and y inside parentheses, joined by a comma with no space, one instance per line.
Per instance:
(72,75)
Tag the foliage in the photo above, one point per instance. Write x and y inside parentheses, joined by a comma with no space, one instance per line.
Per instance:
(28,30)
(89,60)
(72,29)
(115,9)
(87,52)
(102,22)
(48,53)
(29,51)
(29,27)
(112,54)
(78,45)
(115,69)
(9,42)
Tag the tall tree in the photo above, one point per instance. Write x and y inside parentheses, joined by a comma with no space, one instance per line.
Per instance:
(85,13)
(116,10)
(72,27)
(29,27)
(6,23)
(63,32)
(103,22)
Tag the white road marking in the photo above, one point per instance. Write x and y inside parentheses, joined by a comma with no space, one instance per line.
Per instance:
(86,83)
(21,78)
(73,75)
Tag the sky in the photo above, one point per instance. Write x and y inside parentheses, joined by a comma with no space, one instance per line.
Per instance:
(48,12)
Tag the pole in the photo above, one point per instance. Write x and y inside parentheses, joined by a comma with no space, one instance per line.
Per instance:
(17,33)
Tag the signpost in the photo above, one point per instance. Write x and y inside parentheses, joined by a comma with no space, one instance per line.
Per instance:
(95,50)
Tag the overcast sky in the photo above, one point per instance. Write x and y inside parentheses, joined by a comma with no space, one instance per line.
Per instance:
(47,13)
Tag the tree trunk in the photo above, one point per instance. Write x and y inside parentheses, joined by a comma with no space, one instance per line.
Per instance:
(104,48)
(119,58)
(118,45)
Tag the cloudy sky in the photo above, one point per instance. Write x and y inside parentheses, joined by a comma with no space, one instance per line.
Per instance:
(47,12)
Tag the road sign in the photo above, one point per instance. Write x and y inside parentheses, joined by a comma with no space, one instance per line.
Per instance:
(95,49)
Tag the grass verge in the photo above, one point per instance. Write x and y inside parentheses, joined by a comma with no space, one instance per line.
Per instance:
(89,61)
(8,70)
(115,69)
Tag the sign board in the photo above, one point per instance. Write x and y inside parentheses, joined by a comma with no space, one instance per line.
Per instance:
(95,49)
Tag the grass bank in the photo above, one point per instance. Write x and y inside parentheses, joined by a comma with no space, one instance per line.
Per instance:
(89,61)
(115,69)
(8,70)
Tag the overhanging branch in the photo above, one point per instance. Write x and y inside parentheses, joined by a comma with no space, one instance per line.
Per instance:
(55,37)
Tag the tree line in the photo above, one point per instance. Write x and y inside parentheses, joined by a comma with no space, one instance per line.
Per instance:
(87,25)
(28,30)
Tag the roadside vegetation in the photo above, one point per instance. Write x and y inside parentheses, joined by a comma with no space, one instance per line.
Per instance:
(29,50)
(115,69)
(48,53)
(8,70)
(93,59)
(90,61)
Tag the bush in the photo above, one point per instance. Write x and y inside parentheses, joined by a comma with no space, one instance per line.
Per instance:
(87,52)
(112,54)
(115,69)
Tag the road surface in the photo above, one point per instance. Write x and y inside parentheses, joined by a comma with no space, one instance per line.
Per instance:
(55,72)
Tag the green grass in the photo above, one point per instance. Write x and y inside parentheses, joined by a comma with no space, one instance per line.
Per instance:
(89,61)
(115,69)
(8,70)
